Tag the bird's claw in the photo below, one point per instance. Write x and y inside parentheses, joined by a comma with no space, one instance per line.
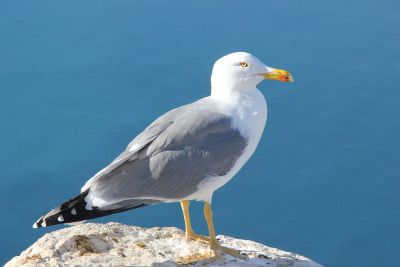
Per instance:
(218,249)
(215,246)
(196,237)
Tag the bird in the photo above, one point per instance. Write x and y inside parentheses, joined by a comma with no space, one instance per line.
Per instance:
(184,155)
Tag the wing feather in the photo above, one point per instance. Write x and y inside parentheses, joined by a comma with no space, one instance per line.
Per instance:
(171,157)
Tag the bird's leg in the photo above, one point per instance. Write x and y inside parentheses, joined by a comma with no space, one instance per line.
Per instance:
(214,245)
(189,233)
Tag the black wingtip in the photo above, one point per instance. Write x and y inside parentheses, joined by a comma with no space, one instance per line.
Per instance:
(75,211)
(64,213)
(40,223)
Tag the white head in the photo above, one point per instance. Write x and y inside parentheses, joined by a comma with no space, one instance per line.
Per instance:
(242,71)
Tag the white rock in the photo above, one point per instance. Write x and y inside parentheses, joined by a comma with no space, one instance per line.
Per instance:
(115,244)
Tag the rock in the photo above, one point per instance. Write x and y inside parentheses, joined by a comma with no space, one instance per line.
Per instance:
(115,244)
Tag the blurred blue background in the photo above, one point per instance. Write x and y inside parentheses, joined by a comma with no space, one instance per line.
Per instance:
(80,79)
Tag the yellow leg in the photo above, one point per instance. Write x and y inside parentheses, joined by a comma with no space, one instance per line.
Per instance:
(214,245)
(208,215)
(188,226)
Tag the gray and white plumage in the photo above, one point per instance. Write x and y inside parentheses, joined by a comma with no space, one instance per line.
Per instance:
(173,156)
(186,154)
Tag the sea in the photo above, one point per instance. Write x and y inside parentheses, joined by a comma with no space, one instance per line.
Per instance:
(80,79)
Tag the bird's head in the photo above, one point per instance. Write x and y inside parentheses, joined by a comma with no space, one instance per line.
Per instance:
(242,71)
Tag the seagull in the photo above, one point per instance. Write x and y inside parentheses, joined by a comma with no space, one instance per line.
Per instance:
(184,155)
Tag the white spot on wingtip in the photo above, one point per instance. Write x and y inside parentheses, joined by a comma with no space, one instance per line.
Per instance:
(73,211)
(43,224)
(35,225)
(60,218)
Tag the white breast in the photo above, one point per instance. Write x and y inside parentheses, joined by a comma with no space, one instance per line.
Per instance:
(250,117)
(249,113)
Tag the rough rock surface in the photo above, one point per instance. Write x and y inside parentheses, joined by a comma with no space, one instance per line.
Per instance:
(115,244)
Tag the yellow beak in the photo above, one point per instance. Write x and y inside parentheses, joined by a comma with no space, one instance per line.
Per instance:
(279,75)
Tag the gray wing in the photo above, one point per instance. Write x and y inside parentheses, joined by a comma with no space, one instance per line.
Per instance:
(172,156)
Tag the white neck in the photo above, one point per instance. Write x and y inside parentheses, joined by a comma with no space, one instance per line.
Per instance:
(226,95)
(248,109)
(228,92)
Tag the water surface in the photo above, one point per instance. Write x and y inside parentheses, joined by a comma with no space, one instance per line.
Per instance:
(79,79)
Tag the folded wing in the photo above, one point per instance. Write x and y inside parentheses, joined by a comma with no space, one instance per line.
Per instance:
(171,157)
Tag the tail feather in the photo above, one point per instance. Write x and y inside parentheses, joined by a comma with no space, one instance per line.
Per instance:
(74,211)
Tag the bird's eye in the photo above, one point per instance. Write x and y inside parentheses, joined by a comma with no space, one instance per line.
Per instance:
(243,64)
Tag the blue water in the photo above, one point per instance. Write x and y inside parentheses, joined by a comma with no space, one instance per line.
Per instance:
(79,79)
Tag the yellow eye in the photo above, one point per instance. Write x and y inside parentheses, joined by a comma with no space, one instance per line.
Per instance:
(243,64)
